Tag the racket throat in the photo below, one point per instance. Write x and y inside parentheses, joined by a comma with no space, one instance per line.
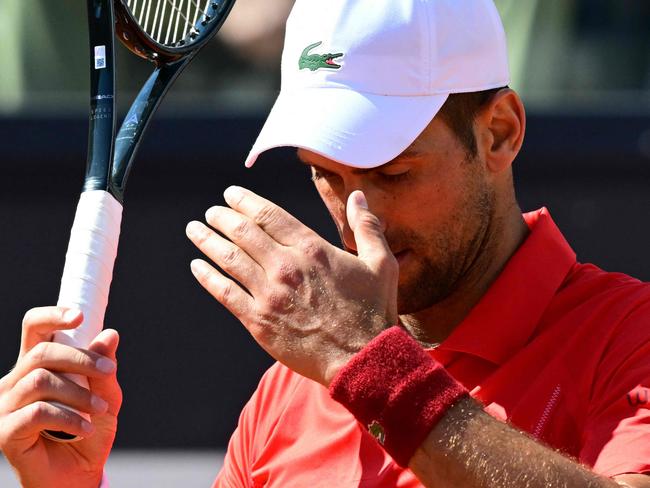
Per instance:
(101,129)
(136,121)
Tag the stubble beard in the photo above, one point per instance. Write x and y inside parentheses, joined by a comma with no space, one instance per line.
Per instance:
(444,263)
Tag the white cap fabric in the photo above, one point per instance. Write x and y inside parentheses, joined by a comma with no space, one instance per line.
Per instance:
(361,79)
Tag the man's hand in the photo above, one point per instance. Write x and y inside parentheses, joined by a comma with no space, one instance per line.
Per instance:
(309,304)
(38,379)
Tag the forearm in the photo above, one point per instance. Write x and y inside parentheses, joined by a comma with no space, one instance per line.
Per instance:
(470,448)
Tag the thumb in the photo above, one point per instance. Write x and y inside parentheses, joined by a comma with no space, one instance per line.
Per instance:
(367,228)
(107,387)
(106,343)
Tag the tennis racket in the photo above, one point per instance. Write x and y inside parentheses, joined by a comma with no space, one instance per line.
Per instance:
(168,33)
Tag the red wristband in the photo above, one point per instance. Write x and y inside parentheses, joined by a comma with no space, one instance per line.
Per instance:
(397,390)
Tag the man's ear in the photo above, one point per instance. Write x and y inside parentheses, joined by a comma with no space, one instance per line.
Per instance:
(500,128)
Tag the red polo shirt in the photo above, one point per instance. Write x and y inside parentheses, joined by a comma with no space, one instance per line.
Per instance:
(557,348)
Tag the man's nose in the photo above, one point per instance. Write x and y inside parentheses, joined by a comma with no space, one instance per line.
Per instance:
(347,234)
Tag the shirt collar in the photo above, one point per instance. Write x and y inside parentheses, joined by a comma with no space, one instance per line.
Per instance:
(506,316)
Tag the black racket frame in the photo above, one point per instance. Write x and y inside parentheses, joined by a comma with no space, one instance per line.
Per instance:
(110,157)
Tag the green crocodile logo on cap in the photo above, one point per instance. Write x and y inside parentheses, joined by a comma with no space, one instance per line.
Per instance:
(313,62)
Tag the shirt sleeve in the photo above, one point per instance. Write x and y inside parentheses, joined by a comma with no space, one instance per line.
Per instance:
(617,432)
(236,463)
(256,422)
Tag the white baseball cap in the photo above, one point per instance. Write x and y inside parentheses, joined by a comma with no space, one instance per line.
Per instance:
(361,79)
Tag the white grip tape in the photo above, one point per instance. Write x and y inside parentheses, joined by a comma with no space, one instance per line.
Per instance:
(88,268)
(89,263)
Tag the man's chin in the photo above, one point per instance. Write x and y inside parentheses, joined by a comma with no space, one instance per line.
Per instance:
(420,294)
(412,301)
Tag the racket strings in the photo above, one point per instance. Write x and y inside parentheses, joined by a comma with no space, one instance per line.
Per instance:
(170,22)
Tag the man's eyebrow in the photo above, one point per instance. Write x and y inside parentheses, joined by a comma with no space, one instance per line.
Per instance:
(408,153)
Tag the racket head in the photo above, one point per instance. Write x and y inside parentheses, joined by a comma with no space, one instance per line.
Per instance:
(164,31)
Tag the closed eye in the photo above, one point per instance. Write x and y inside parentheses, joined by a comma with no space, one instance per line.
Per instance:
(394,178)
(394,172)
(319,173)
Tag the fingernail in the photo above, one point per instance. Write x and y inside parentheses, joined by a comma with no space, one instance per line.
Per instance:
(71,315)
(196,266)
(105,365)
(87,426)
(232,193)
(98,404)
(210,213)
(360,199)
(191,228)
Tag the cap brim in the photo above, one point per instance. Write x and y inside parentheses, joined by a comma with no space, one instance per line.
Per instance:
(356,129)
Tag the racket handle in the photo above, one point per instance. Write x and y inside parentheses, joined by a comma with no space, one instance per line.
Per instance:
(87,276)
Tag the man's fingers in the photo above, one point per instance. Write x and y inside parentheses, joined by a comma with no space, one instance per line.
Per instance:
(62,359)
(107,387)
(106,343)
(226,291)
(276,222)
(369,237)
(228,256)
(40,323)
(27,423)
(43,385)
(244,233)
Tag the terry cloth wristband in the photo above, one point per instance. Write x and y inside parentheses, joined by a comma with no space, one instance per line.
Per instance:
(397,390)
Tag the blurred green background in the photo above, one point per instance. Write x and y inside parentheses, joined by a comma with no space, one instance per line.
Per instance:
(565,55)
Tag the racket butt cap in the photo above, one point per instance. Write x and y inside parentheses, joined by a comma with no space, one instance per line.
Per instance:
(60,436)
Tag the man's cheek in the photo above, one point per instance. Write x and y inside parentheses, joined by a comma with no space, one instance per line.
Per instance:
(336,209)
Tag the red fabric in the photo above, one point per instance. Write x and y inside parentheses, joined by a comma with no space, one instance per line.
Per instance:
(393,379)
(557,348)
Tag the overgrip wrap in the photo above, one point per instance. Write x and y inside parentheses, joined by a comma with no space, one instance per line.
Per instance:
(89,261)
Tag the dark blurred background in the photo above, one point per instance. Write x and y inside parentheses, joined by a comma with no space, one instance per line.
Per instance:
(186,366)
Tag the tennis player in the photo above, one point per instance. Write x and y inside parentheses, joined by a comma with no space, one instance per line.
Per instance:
(453,342)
